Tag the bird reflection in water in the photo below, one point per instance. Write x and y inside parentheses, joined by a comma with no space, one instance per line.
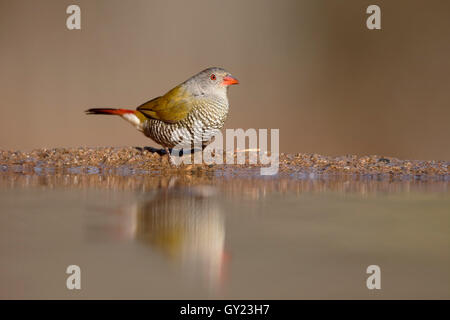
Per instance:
(188,226)
(185,224)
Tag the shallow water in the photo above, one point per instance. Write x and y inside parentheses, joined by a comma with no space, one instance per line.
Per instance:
(203,236)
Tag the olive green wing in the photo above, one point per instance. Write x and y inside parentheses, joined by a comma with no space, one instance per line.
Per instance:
(172,107)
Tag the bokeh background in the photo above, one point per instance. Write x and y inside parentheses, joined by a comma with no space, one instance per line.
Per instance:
(310,68)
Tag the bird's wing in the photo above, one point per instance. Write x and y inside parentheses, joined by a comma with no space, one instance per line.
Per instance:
(171,107)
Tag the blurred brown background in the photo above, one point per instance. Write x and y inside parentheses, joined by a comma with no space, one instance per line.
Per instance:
(310,68)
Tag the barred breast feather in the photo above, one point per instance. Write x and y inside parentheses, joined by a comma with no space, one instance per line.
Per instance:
(204,119)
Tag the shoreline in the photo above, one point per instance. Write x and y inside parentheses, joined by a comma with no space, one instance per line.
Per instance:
(135,160)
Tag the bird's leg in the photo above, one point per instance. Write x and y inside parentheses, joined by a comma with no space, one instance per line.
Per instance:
(169,157)
(206,143)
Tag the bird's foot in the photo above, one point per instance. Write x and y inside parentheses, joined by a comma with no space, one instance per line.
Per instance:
(159,151)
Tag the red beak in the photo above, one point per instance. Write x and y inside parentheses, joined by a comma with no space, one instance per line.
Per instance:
(229,80)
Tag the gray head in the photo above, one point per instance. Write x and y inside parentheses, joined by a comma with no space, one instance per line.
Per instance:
(211,81)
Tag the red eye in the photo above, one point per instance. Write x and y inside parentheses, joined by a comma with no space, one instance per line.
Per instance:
(213,77)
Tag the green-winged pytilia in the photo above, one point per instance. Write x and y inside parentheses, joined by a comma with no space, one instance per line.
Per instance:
(196,108)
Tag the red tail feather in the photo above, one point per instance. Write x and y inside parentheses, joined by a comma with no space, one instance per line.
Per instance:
(109,111)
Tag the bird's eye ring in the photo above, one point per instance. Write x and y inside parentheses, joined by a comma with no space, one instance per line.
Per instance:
(213,76)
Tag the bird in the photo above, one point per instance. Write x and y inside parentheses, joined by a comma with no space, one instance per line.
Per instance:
(190,113)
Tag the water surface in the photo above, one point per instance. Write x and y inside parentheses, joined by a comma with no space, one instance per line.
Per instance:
(204,236)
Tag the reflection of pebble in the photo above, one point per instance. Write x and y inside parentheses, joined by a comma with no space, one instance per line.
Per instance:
(131,160)
(38,170)
(92,170)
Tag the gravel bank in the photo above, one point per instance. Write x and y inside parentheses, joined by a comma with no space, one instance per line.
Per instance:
(133,160)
